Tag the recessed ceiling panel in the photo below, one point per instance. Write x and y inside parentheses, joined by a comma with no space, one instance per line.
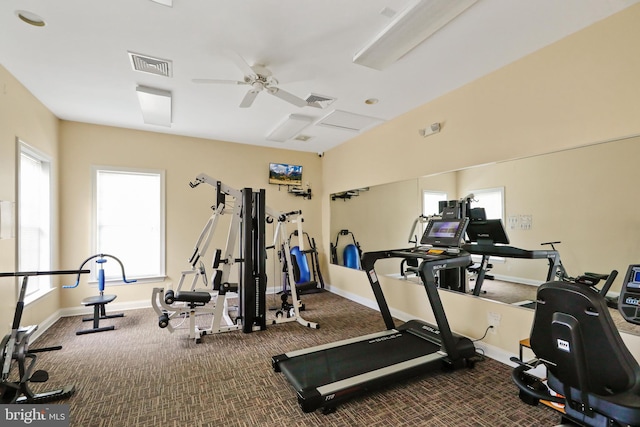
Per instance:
(344,120)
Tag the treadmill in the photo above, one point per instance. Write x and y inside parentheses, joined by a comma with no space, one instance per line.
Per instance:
(488,238)
(327,375)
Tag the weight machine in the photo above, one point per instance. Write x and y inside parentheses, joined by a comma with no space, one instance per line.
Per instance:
(307,277)
(248,225)
(289,312)
(99,301)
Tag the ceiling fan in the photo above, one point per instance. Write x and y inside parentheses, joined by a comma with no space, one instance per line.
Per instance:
(260,79)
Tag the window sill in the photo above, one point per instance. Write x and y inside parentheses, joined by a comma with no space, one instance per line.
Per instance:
(37,296)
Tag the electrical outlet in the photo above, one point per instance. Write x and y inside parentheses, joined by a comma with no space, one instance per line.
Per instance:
(493,319)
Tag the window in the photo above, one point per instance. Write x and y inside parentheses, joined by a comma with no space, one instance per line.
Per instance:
(430,202)
(34,217)
(129,218)
(492,200)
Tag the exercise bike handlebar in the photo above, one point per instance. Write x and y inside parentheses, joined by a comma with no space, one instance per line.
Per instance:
(124,277)
(550,243)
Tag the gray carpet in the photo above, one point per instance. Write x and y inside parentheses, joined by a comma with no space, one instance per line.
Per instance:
(140,375)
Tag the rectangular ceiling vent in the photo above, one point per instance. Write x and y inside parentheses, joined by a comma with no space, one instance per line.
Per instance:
(344,120)
(319,101)
(148,64)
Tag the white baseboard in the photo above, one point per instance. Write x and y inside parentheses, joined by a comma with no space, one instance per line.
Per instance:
(519,280)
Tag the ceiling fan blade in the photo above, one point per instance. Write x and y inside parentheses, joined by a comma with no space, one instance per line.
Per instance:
(249,98)
(242,64)
(218,81)
(289,97)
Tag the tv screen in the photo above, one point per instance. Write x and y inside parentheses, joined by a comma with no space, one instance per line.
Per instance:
(444,232)
(489,232)
(284,174)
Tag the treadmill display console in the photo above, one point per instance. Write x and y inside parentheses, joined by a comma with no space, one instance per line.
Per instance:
(447,233)
(629,299)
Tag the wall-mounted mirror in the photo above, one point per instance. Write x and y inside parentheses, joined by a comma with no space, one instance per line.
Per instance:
(586,198)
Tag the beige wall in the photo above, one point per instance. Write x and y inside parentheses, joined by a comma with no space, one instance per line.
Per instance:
(22,116)
(578,91)
(187,210)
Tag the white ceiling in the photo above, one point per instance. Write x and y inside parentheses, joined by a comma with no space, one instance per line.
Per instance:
(78,66)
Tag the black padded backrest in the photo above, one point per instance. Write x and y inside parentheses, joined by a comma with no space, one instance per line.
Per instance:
(573,329)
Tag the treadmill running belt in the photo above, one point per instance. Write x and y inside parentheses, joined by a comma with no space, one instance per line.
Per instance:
(339,363)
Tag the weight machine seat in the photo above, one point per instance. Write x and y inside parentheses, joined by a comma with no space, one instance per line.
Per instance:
(574,335)
(99,312)
(193,296)
(99,299)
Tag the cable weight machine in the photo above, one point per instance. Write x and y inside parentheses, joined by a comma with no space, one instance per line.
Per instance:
(247,232)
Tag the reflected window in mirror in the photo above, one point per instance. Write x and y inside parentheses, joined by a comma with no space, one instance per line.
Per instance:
(431,201)
(492,200)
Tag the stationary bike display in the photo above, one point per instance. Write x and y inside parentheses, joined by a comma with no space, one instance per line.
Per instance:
(16,353)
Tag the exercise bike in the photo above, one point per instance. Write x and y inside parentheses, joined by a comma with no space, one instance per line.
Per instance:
(588,279)
(16,352)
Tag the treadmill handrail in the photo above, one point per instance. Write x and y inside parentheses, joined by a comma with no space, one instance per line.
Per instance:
(510,252)
(427,270)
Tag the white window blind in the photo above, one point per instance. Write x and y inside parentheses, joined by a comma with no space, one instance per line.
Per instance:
(34,217)
(129,221)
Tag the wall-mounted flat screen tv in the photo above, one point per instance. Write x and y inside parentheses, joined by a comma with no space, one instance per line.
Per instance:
(284,174)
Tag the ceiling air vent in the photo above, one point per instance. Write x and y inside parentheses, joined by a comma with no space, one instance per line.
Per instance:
(148,64)
(319,101)
(303,138)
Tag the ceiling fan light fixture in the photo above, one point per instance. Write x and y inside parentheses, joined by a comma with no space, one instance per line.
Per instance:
(164,2)
(30,18)
(410,27)
(290,128)
(155,105)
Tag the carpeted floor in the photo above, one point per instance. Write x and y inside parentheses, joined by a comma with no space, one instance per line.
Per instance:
(141,375)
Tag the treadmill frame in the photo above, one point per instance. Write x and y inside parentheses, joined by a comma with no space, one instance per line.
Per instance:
(454,351)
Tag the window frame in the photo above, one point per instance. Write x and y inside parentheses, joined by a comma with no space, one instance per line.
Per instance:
(159,275)
(43,283)
(493,190)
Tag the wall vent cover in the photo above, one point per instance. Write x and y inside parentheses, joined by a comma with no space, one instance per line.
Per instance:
(149,64)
